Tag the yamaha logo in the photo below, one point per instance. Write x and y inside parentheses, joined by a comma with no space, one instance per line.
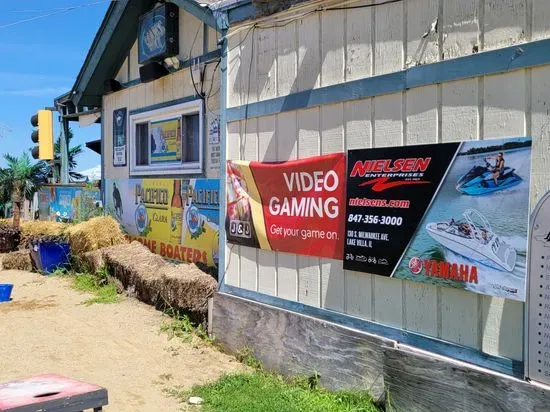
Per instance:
(415,265)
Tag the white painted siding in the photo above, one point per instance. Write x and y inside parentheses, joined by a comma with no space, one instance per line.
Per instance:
(172,87)
(333,47)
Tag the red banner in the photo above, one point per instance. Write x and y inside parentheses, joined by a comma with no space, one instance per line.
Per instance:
(296,207)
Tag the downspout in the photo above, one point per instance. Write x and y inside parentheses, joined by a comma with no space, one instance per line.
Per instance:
(102,142)
(223,154)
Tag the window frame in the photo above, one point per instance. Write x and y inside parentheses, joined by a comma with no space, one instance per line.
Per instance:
(166,113)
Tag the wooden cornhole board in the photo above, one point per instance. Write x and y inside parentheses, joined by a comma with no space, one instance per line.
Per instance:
(51,393)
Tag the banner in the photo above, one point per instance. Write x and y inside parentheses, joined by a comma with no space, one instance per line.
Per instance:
(119,137)
(66,203)
(452,214)
(166,141)
(175,218)
(295,207)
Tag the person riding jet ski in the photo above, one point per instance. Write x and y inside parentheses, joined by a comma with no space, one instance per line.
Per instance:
(498,168)
(484,180)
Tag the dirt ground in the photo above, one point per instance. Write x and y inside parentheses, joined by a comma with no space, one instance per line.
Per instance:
(47,329)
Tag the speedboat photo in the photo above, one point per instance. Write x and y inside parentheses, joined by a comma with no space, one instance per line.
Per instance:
(474,239)
(479,181)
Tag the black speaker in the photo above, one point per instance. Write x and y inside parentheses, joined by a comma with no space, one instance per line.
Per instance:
(152,71)
(111,85)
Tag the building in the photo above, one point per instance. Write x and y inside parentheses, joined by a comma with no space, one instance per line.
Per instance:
(151,78)
(306,78)
(329,76)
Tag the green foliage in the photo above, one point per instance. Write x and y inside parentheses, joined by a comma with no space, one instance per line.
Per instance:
(74,151)
(100,284)
(87,208)
(21,178)
(494,148)
(179,325)
(260,391)
(247,357)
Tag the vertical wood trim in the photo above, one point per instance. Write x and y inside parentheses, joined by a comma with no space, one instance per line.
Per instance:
(528,102)
(480,108)
(441,28)
(481,19)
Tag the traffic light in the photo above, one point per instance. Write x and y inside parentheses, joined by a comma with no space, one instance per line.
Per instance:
(43,136)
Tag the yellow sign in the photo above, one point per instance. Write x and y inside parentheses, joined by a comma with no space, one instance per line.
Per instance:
(166,141)
(176,218)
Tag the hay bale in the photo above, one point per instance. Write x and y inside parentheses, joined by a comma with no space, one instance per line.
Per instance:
(92,261)
(32,228)
(19,260)
(94,234)
(155,281)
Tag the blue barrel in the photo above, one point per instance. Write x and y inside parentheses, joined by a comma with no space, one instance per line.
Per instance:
(5,292)
(49,256)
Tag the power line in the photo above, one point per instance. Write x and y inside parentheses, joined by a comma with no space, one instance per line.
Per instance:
(362,6)
(51,12)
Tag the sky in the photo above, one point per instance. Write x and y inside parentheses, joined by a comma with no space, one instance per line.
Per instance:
(39,60)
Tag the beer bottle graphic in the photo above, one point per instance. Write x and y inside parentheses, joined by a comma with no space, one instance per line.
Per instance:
(176,210)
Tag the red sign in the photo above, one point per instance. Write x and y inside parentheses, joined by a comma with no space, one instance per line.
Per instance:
(296,207)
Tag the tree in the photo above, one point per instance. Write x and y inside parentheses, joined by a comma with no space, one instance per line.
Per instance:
(73,151)
(20,180)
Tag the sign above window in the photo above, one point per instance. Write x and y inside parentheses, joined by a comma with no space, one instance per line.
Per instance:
(167,141)
(158,36)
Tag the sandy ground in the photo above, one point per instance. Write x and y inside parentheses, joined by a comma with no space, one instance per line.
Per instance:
(47,329)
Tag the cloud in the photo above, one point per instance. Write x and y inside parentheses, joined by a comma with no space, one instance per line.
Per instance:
(37,92)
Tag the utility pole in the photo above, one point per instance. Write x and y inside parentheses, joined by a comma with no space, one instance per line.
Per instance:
(64,147)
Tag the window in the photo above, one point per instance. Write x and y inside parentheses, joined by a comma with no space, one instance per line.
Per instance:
(167,141)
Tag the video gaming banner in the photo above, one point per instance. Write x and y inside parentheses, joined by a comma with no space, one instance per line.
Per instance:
(295,207)
(453,214)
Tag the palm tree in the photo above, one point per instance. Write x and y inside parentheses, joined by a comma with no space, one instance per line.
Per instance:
(20,180)
(73,151)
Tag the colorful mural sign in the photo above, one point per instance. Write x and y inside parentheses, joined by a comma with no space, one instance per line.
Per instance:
(166,141)
(67,203)
(176,218)
(296,207)
(452,214)
(119,137)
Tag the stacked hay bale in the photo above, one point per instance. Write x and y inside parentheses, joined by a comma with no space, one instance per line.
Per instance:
(155,281)
(94,234)
(35,228)
(19,260)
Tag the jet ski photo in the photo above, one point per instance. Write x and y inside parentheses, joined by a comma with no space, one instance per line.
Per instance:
(479,180)
(474,239)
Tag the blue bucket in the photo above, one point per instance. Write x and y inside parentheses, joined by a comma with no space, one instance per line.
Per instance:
(5,292)
(49,256)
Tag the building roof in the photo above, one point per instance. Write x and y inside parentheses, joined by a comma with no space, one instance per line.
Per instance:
(113,41)
(118,32)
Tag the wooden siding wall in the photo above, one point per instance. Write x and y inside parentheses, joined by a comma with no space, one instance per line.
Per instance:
(332,47)
(169,88)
